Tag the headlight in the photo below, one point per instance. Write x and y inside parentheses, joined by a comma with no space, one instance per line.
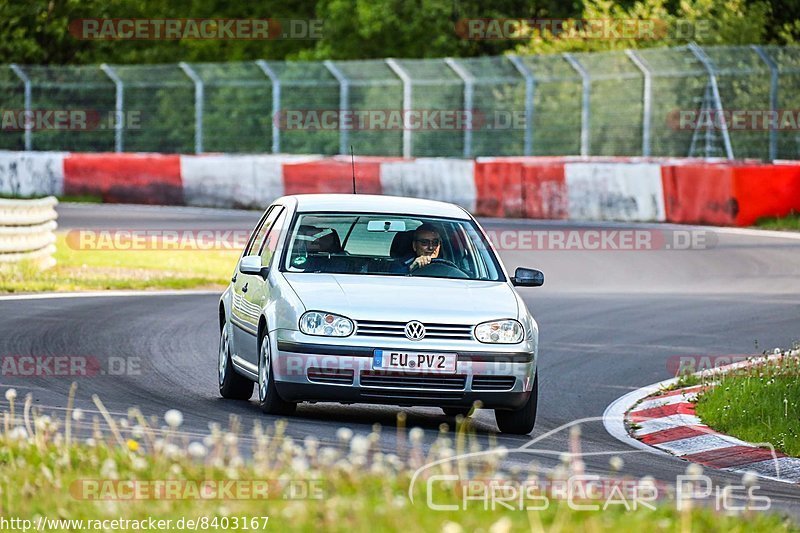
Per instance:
(325,324)
(500,332)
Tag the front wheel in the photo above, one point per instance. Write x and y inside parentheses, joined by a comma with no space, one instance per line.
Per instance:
(231,384)
(520,421)
(268,399)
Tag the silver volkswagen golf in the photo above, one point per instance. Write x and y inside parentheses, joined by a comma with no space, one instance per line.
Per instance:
(377,299)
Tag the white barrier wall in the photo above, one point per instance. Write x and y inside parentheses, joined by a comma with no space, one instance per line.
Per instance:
(232,181)
(449,180)
(615,191)
(31,173)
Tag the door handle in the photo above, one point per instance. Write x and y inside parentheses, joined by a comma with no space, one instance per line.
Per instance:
(233,279)
(244,289)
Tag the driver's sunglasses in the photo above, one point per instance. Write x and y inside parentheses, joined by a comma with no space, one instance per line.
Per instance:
(429,242)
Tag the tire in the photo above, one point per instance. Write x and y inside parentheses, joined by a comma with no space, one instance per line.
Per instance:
(520,421)
(232,385)
(268,399)
(455,411)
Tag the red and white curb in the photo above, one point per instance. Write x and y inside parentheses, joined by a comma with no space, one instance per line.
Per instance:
(664,422)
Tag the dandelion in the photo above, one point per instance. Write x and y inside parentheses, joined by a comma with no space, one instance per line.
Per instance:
(416,435)
(749,478)
(133,445)
(616,463)
(139,464)
(230,439)
(359,445)
(197,450)
(11,395)
(501,526)
(452,527)
(173,418)
(18,433)
(137,432)
(694,469)
(344,434)
(77,415)
(311,443)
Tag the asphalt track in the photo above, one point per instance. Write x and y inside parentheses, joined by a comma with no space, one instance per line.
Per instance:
(609,323)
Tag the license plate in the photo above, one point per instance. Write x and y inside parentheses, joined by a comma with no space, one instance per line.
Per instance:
(441,363)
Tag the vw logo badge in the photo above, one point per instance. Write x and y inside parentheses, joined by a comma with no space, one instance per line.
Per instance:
(415,330)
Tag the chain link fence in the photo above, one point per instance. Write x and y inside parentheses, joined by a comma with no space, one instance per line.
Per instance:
(727,101)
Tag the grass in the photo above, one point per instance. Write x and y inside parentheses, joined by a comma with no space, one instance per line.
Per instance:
(791,222)
(45,471)
(78,270)
(758,404)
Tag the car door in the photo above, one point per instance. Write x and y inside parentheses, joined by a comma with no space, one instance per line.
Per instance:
(258,292)
(244,314)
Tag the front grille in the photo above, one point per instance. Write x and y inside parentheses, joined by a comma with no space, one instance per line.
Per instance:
(501,383)
(374,328)
(331,375)
(413,381)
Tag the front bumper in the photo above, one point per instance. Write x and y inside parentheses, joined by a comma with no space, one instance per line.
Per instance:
(314,371)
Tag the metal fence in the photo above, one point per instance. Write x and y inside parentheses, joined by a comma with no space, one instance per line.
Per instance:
(725,101)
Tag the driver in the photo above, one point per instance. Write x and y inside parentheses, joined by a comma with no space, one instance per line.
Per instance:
(427,244)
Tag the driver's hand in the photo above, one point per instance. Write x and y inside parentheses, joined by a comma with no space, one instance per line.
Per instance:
(421,261)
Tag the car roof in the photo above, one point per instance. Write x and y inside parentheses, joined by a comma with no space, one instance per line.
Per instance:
(371,203)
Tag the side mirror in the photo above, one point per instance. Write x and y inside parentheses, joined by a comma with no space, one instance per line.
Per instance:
(527,277)
(251,264)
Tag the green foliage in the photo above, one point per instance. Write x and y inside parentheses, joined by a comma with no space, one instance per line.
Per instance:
(709,22)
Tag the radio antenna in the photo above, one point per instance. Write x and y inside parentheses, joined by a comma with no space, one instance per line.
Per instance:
(353,167)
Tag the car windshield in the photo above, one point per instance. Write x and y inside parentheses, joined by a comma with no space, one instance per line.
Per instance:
(388,244)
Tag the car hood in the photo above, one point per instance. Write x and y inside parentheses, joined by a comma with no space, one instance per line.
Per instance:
(405,298)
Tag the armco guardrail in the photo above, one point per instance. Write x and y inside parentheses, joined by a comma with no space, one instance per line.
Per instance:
(27,231)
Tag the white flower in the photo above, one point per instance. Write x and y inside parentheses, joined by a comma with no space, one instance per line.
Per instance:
(359,445)
(299,465)
(18,433)
(109,468)
(616,463)
(694,469)
(416,435)
(77,415)
(197,450)
(776,351)
(311,443)
(137,432)
(501,526)
(173,418)
(451,527)
(91,442)
(749,478)
(138,464)
(344,434)
(230,439)
(11,395)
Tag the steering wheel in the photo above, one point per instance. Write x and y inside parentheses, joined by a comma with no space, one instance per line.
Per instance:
(440,267)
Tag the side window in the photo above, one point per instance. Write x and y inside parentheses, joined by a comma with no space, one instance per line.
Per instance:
(270,244)
(258,235)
